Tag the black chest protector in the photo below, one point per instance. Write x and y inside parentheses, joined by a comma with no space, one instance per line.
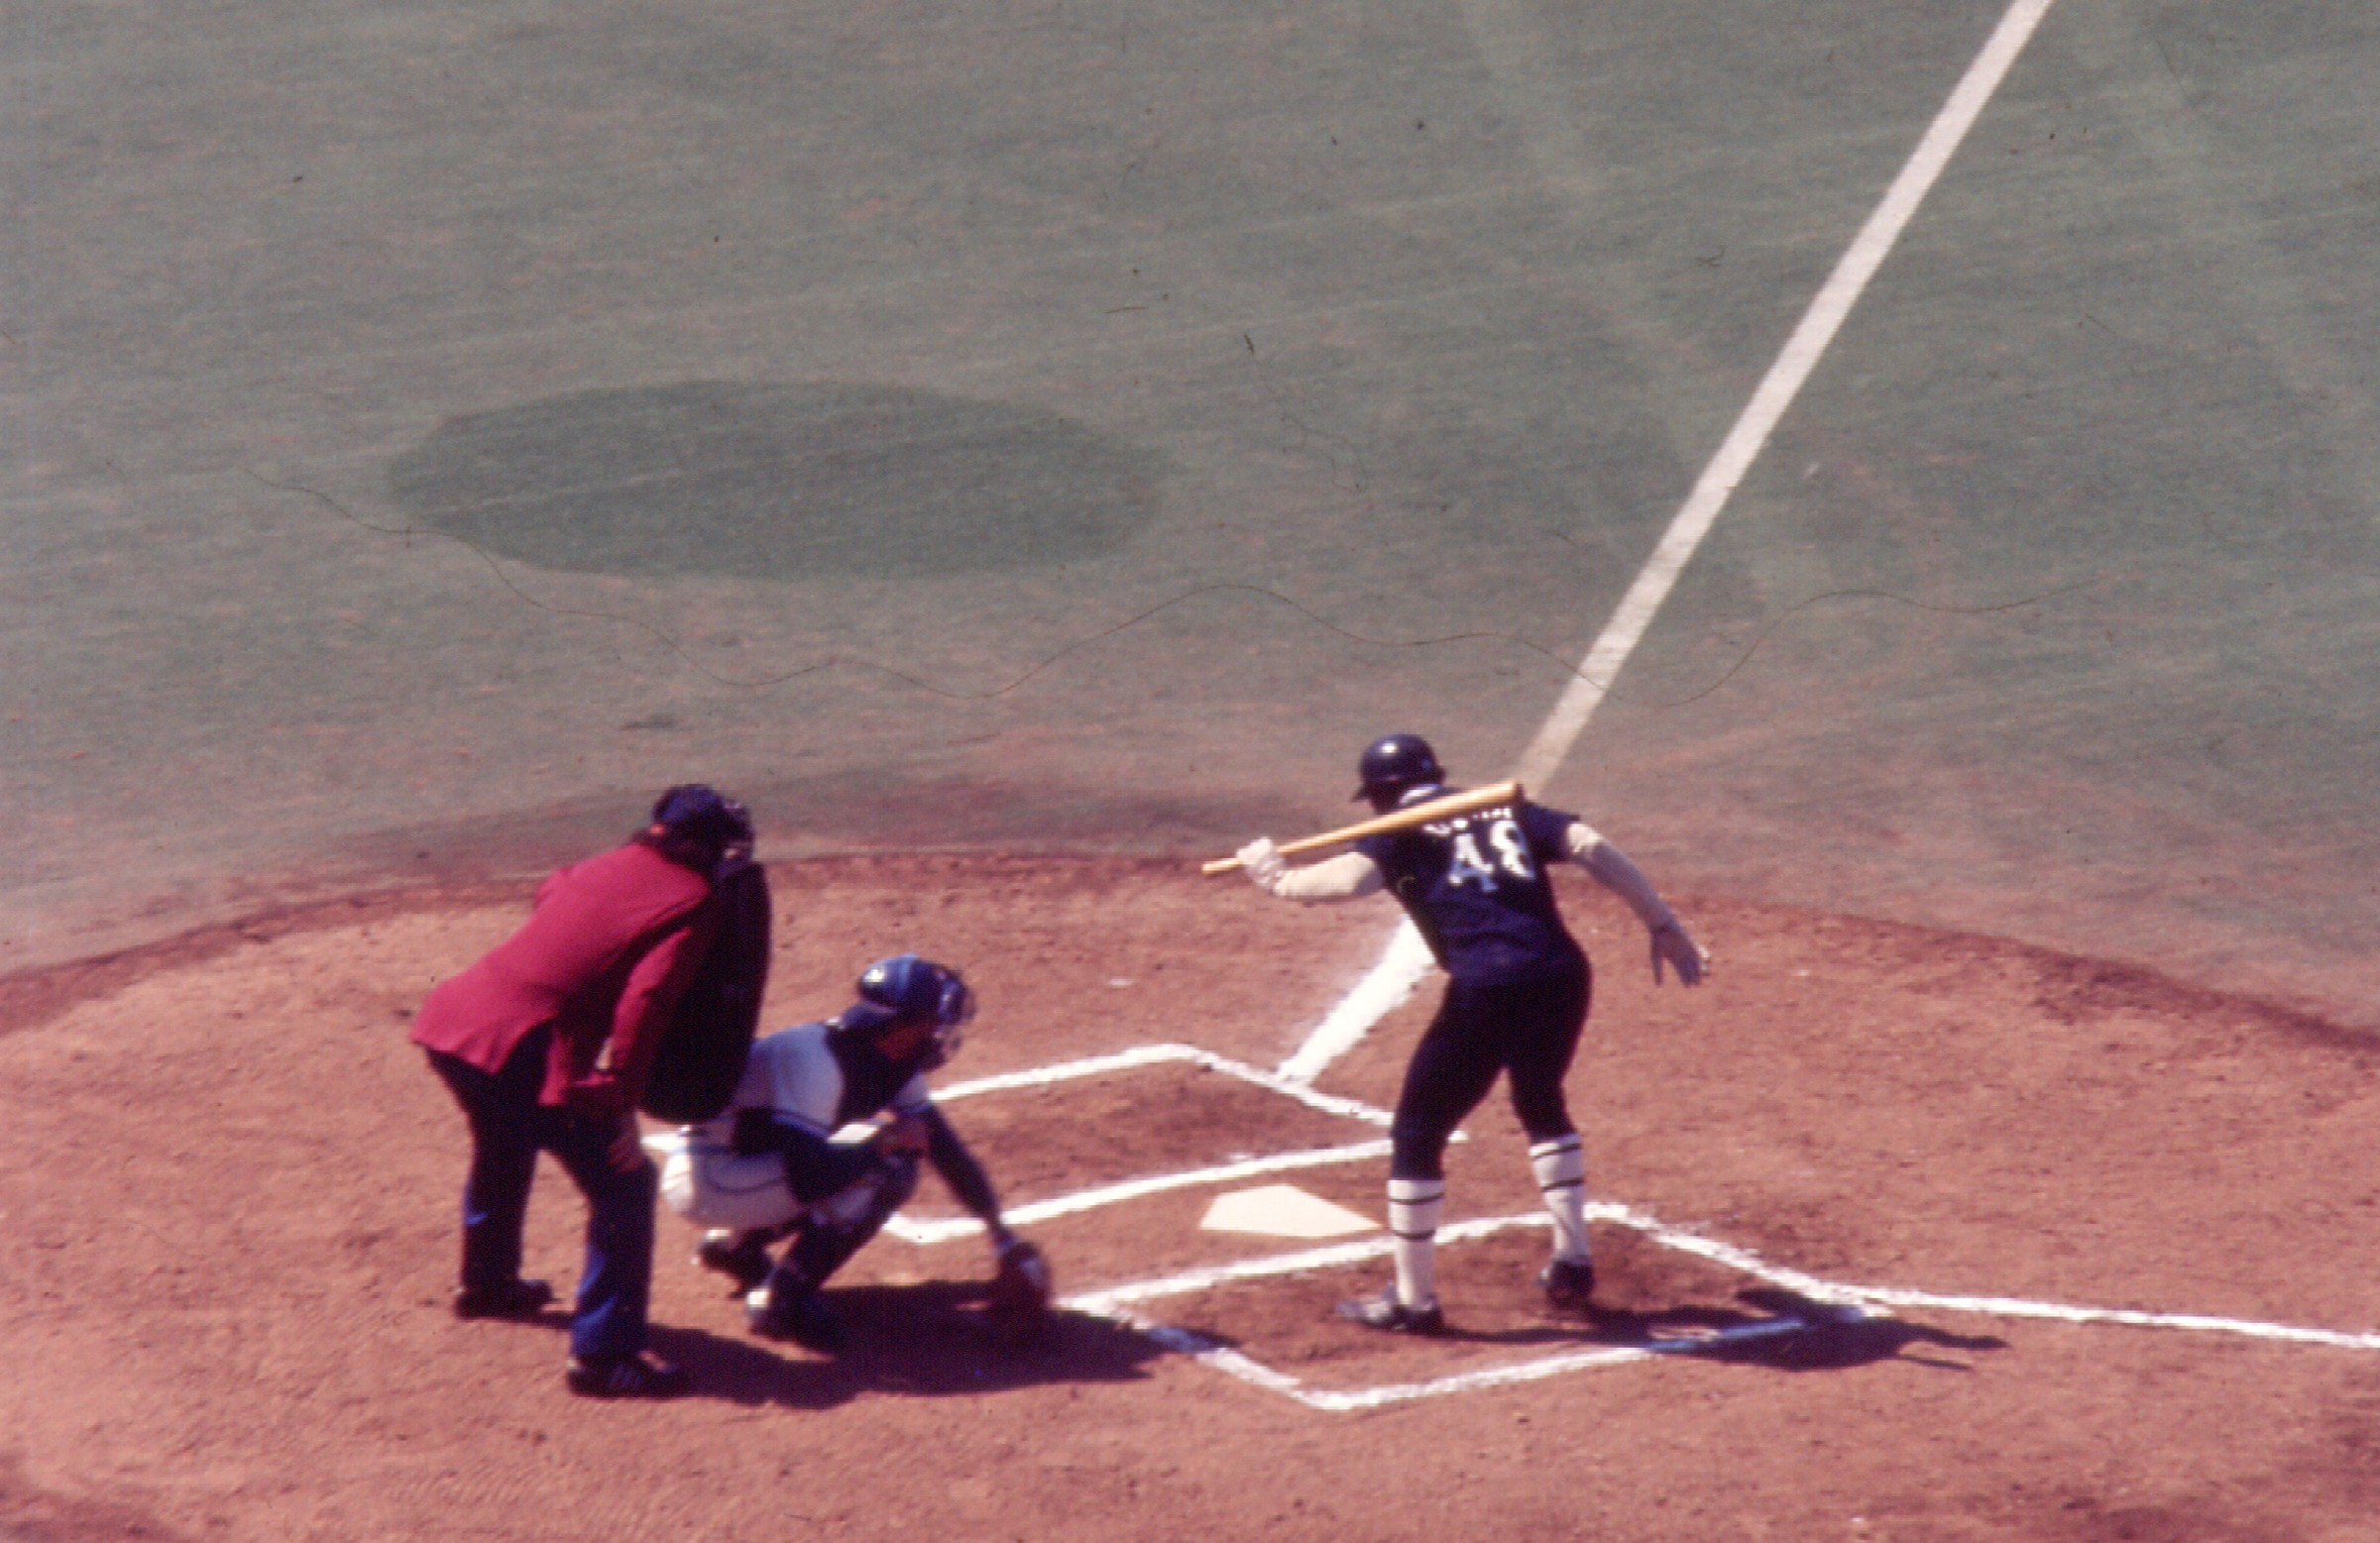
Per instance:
(709,1034)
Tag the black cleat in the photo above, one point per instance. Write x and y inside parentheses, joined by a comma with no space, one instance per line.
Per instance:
(805,1320)
(1391,1316)
(626,1376)
(742,1257)
(516,1298)
(1569,1286)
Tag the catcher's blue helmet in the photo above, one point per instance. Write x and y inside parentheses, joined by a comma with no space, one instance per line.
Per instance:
(1393,765)
(908,989)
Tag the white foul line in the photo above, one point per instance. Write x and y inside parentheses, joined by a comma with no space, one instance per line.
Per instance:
(1383,990)
(1779,387)
(1398,971)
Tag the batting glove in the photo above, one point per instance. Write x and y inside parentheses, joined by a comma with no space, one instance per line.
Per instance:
(1689,959)
(1263,861)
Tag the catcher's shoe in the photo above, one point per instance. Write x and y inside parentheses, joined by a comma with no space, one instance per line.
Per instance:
(1386,1313)
(805,1320)
(626,1376)
(1568,1284)
(516,1298)
(742,1257)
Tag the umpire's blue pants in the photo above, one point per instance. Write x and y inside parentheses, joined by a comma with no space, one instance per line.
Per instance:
(509,1128)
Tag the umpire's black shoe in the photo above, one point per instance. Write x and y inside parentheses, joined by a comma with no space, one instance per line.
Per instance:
(513,1299)
(1391,1316)
(1568,1284)
(805,1320)
(626,1376)
(739,1255)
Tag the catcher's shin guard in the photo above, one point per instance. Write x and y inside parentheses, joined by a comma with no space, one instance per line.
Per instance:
(838,1225)
(742,1257)
(786,1306)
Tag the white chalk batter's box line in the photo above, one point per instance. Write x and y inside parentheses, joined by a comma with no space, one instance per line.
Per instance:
(942,1230)
(1850,1303)
(1163,1054)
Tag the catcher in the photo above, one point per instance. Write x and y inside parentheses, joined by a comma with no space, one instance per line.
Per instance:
(771,1166)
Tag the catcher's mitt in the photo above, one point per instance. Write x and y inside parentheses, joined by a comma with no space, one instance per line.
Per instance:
(1019,1308)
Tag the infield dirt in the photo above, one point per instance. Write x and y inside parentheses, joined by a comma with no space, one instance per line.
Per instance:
(231,1233)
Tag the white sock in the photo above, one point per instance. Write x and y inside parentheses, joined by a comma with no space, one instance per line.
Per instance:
(1560,1165)
(1414,1208)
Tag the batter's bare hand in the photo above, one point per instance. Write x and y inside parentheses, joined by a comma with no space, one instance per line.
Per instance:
(627,1152)
(1689,959)
(1263,861)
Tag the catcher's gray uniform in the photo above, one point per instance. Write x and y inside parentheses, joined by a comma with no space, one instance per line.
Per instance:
(822,1139)
(795,1079)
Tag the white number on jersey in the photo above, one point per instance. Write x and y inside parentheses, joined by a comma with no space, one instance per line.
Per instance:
(1468,866)
(1504,835)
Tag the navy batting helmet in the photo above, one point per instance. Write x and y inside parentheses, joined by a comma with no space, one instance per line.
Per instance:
(909,990)
(1393,765)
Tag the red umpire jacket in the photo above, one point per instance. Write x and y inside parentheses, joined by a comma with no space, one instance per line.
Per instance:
(604,957)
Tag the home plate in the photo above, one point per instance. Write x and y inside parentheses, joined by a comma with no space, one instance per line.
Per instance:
(1282,1211)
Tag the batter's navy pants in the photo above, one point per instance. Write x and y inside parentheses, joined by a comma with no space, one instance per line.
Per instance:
(1529,1028)
(509,1128)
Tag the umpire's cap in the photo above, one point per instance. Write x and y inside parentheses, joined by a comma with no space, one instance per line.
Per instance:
(697,813)
(1395,763)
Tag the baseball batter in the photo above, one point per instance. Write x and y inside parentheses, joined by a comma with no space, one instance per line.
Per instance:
(1516,1003)
(771,1165)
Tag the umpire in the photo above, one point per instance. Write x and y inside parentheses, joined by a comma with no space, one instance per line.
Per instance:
(546,1043)
(1516,1002)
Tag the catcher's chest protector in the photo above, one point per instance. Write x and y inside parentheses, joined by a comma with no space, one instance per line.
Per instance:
(703,1050)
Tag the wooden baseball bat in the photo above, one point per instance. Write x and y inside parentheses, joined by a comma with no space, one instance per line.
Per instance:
(1447,807)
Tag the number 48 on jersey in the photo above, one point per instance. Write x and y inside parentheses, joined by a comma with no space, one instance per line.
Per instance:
(1472,866)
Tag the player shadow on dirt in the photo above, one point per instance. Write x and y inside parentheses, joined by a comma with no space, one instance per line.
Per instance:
(927,1340)
(1785,1332)
(1833,1339)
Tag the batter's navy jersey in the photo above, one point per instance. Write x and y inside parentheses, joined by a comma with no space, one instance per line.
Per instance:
(1476,887)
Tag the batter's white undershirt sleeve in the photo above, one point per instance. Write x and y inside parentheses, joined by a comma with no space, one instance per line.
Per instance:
(1612,869)
(1348,876)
